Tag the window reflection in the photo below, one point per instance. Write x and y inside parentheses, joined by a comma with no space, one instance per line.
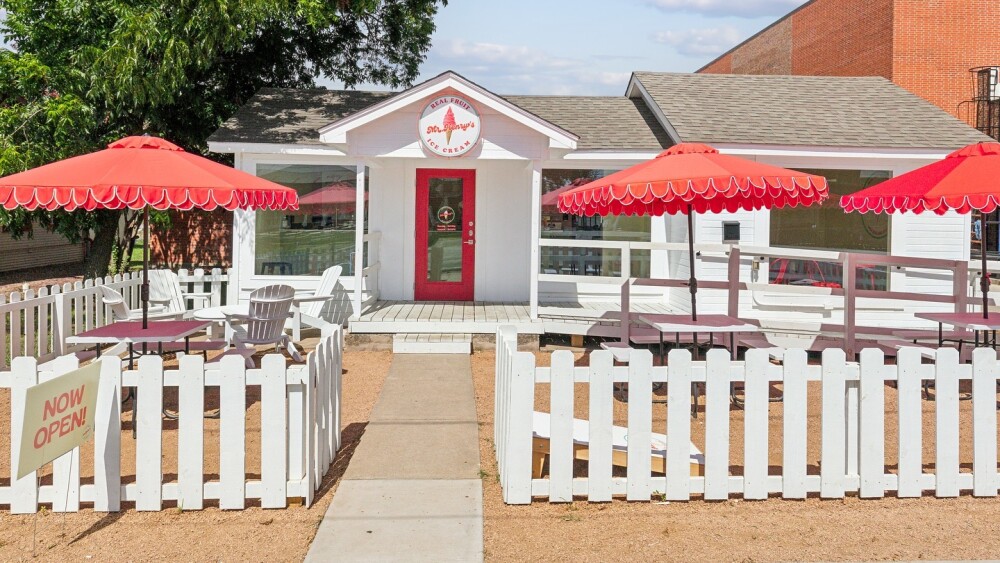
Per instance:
(321,232)
(587,261)
(826,226)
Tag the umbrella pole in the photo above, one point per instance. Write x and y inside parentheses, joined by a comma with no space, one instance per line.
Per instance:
(984,280)
(692,283)
(145,267)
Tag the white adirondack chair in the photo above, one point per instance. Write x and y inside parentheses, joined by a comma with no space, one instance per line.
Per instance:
(265,323)
(165,290)
(120,311)
(308,309)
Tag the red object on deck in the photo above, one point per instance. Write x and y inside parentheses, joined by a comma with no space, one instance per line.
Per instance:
(136,172)
(965,180)
(694,177)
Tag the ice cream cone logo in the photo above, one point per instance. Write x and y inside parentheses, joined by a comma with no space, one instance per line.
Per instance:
(448,125)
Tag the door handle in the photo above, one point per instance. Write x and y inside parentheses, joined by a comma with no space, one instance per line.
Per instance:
(470,242)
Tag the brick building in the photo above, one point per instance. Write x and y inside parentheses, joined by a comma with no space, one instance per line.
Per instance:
(926,47)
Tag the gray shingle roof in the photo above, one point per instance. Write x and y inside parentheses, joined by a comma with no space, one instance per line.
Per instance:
(802,110)
(602,123)
(292,116)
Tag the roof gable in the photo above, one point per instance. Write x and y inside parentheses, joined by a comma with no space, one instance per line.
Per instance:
(860,112)
(336,132)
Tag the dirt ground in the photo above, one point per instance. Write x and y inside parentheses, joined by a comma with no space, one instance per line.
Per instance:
(174,534)
(735,530)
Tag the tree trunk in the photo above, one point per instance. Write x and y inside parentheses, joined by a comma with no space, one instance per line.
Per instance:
(105,235)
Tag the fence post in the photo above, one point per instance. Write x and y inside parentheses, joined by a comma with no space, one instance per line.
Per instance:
(231,289)
(24,491)
(960,286)
(519,435)
(60,318)
(850,306)
(734,281)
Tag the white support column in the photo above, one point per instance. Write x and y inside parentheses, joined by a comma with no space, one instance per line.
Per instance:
(536,233)
(359,242)
(241,269)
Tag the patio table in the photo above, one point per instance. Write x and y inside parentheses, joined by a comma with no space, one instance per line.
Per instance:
(969,321)
(132,333)
(710,324)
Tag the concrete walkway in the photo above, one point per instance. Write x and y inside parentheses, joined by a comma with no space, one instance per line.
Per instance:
(412,491)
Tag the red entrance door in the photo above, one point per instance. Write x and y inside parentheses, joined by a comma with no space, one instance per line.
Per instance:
(446,235)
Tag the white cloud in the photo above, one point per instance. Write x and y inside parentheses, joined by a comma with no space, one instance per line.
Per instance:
(518,69)
(739,8)
(700,42)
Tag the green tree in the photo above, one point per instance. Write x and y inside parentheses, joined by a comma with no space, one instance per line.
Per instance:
(86,72)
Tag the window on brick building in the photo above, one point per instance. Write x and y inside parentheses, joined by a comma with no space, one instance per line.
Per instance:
(321,232)
(827,227)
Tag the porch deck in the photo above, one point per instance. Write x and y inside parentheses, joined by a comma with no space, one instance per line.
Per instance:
(460,317)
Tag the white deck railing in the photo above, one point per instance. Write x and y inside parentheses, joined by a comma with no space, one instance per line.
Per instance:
(298,438)
(366,285)
(853,417)
(36,323)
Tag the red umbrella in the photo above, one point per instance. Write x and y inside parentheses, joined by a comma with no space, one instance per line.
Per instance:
(161,175)
(551,199)
(966,180)
(334,197)
(689,178)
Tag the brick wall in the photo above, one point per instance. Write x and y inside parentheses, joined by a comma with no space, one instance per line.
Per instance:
(823,38)
(936,43)
(925,46)
(196,239)
(769,53)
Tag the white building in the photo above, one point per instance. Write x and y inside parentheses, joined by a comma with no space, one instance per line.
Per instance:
(452,180)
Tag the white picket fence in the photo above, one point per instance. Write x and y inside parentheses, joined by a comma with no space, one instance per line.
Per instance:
(853,416)
(300,420)
(36,323)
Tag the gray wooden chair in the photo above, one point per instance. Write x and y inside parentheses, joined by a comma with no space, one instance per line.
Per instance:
(265,323)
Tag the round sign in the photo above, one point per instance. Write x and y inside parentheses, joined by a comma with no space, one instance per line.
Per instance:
(449,126)
(446,215)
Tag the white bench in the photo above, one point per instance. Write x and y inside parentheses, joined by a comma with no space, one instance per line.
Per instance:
(541,427)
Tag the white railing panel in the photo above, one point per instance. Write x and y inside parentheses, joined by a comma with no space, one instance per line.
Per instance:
(232,432)
(678,486)
(795,425)
(149,434)
(717,393)
(909,383)
(317,391)
(852,425)
(755,429)
(274,433)
(946,440)
(561,432)
(872,411)
(599,464)
(191,433)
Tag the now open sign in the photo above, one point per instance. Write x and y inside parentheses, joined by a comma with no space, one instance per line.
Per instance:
(58,416)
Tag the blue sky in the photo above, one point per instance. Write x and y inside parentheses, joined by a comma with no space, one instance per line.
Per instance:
(587,47)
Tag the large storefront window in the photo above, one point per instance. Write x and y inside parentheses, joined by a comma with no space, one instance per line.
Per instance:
(828,227)
(587,261)
(321,232)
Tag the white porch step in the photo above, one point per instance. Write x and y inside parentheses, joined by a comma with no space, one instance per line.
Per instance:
(415,343)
